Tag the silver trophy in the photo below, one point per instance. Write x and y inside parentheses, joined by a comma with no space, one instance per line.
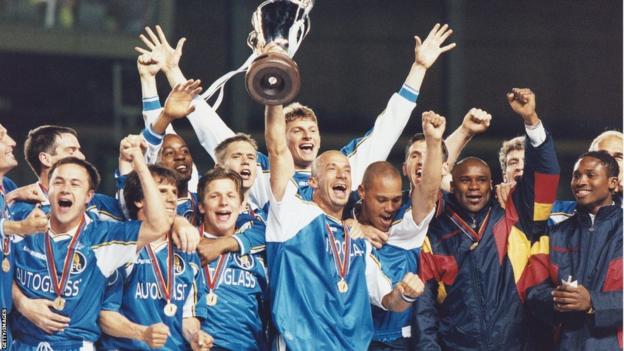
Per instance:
(272,77)
(279,27)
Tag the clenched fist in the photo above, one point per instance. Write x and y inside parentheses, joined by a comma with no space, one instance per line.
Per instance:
(411,286)
(476,121)
(433,125)
(522,101)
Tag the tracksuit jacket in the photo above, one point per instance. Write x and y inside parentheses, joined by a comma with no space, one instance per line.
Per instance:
(472,263)
(590,252)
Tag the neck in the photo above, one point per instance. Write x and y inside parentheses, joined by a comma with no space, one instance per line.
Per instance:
(594,208)
(215,231)
(59,228)
(184,189)
(303,167)
(43,178)
(328,208)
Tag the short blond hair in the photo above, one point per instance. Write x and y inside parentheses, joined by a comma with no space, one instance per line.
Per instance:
(296,111)
(516,143)
(604,135)
(220,149)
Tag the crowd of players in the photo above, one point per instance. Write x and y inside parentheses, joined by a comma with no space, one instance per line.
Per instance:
(314,252)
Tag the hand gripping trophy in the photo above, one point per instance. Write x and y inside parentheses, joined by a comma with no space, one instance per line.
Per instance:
(272,77)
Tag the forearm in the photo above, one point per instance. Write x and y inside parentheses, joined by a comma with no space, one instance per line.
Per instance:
(190,326)
(415,76)
(394,302)
(10,227)
(210,129)
(282,164)
(155,223)
(425,194)
(174,76)
(148,86)
(117,325)
(161,123)
(19,299)
(455,144)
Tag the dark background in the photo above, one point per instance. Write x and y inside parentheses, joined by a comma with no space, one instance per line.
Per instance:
(357,54)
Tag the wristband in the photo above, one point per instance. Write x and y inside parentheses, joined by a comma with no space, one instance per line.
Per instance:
(407,298)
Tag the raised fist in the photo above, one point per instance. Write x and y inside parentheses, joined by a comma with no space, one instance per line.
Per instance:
(476,121)
(433,125)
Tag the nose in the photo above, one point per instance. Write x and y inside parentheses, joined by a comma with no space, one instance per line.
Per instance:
(79,154)
(10,141)
(307,135)
(473,185)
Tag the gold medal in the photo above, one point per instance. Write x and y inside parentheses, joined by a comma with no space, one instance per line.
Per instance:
(170,309)
(59,303)
(6,265)
(343,286)
(211,299)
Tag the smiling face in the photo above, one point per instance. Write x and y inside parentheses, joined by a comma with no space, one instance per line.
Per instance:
(591,184)
(176,155)
(381,199)
(69,194)
(472,184)
(304,140)
(240,157)
(7,158)
(514,161)
(220,206)
(331,181)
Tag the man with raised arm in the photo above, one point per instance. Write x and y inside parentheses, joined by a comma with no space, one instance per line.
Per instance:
(303,133)
(475,251)
(406,224)
(319,273)
(156,300)
(69,263)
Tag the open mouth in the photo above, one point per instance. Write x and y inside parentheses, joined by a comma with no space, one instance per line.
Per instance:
(245,173)
(340,190)
(474,199)
(181,168)
(306,147)
(386,220)
(223,215)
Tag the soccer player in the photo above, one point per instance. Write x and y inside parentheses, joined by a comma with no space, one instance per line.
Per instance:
(475,252)
(406,224)
(319,273)
(575,274)
(155,301)
(303,132)
(70,262)
(44,146)
(35,222)
(236,284)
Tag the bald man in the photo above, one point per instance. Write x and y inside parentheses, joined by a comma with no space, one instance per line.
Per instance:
(475,250)
(322,279)
(405,224)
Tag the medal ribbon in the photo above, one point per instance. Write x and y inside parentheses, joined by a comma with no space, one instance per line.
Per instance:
(459,222)
(342,266)
(67,263)
(213,280)
(165,288)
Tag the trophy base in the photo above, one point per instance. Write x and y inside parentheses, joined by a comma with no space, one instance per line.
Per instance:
(273,79)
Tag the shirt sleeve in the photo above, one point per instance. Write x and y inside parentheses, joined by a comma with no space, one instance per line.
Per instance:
(195,304)
(290,215)
(113,292)
(408,235)
(208,126)
(117,246)
(379,141)
(379,285)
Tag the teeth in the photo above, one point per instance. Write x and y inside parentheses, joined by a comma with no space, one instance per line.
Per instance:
(181,168)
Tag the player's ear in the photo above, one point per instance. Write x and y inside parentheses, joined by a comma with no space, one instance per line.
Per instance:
(90,194)
(45,159)
(361,192)
(139,205)
(201,208)
(313,182)
(404,169)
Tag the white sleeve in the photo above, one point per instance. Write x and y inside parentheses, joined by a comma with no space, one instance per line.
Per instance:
(188,310)
(379,285)
(119,247)
(408,235)
(209,127)
(288,216)
(378,143)
(154,143)
(536,134)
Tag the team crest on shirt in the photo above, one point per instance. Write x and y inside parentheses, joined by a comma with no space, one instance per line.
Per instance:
(245,262)
(79,263)
(178,264)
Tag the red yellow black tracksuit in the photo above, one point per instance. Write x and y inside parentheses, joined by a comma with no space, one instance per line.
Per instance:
(590,252)
(472,263)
